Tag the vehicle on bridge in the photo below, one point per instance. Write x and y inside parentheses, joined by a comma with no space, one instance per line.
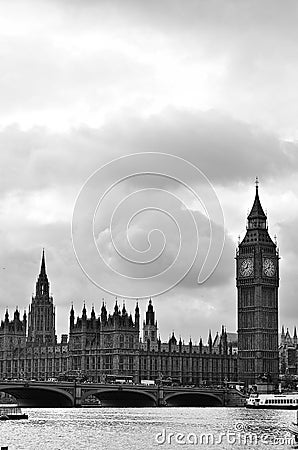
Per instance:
(169,381)
(72,375)
(119,379)
(148,382)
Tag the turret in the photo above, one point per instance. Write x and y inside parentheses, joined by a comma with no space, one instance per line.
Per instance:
(150,315)
(201,345)
(210,342)
(42,284)
(16,316)
(288,339)
(137,316)
(25,320)
(150,325)
(172,341)
(282,337)
(295,336)
(84,312)
(124,312)
(224,340)
(130,321)
(71,318)
(103,314)
(159,344)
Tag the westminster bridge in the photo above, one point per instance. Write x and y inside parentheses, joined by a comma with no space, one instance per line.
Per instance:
(34,394)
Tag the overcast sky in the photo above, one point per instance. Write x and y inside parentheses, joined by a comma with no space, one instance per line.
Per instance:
(84,82)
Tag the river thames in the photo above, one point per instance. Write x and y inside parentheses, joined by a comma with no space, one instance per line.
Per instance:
(148,428)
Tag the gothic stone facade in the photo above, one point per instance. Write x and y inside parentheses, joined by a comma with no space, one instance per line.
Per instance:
(288,350)
(105,346)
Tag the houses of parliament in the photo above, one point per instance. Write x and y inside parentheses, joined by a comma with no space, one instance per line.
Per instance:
(118,344)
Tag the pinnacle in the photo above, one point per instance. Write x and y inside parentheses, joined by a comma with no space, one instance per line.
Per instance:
(257,210)
(43,264)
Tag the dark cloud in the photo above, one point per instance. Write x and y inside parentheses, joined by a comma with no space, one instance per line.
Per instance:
(226,150)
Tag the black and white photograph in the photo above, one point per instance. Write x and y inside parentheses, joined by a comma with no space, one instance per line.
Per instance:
(148,224)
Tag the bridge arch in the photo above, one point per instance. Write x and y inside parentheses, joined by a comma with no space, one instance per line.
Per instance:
(118,396)
(193,399)
(39,397)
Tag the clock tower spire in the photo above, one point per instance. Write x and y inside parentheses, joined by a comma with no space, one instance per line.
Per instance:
(257,280)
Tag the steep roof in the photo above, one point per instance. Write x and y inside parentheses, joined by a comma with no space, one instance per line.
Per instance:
(257,211)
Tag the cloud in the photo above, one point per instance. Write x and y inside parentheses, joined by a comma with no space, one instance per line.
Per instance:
(226,150)
(92,61)
(85,82)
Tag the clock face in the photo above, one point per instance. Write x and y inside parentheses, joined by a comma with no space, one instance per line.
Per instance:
(246,267)
(268,267)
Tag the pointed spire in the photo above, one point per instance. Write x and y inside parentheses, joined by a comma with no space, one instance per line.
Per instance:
(216,339)
(173,339)
(103,314)
(71,317)
(257,211)
(210,341)
(295,340)
(201,344)
(16,315)
(282,331)
(150,314)
(42,284)
(288,336)
(43,264)
(84,312)
(124,309)
(180,345)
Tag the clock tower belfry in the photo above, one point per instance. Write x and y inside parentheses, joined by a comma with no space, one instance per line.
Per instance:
(257,280)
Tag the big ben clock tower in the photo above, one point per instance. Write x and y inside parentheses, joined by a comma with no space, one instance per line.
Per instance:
(257,279)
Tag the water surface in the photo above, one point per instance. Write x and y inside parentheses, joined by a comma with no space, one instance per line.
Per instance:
(148,428)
